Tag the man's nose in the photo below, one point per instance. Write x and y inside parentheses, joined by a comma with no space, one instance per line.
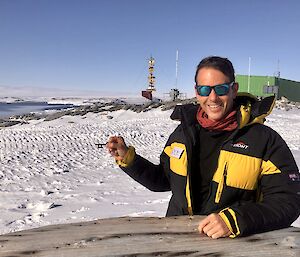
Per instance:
(212,96)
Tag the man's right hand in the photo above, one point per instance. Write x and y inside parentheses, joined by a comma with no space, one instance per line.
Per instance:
(117,147)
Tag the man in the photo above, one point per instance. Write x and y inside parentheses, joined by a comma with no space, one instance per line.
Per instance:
(221,161)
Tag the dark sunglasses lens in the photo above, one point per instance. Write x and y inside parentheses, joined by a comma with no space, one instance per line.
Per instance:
(221,89)
(204,90)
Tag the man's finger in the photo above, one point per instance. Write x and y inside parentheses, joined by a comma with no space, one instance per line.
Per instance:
(217,235)
(120,140)
(203,223)
(112,145)
(213,230)
(113,139)
(220,233)
(209,227)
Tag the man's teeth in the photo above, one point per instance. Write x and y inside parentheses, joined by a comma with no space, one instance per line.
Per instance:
(214,106)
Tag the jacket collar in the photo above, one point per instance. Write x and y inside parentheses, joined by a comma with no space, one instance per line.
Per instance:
(252,110)
(185,113)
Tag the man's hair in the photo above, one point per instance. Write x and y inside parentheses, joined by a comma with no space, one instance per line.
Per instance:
(218,63)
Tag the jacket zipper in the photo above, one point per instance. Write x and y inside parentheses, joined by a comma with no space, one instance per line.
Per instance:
(230,138)
(221,185)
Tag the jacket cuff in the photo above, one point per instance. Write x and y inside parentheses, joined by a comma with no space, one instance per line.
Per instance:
(229,217)
(128,158)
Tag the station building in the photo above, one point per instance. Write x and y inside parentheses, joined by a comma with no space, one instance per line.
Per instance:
(262,86)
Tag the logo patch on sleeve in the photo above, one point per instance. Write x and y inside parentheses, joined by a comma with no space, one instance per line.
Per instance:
(177,152)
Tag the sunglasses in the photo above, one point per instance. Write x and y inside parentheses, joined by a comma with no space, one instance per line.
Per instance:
(220,90)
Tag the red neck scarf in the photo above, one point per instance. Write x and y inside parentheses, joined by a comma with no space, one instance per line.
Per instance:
(229,123)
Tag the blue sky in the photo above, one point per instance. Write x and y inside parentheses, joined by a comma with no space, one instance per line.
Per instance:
(104,45)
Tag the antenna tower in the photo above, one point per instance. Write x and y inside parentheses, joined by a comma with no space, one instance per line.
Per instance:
(176,73)
(151,78)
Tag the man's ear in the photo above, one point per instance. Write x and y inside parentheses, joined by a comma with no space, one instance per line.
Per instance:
(235,88)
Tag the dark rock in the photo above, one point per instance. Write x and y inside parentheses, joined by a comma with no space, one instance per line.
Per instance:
(8,123)
(55,116)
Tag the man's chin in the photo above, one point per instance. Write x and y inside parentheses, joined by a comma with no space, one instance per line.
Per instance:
(215,116)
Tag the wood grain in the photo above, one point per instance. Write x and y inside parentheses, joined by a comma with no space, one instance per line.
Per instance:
(146,236)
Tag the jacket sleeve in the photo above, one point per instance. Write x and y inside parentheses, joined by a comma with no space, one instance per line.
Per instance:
(152,176)
(279,185)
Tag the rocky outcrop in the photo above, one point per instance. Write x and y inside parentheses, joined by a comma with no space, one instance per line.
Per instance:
(285,104)
(116,105)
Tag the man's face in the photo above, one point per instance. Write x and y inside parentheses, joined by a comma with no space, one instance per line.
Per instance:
(216,107)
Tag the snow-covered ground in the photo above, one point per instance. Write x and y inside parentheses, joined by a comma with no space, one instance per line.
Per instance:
(52,172)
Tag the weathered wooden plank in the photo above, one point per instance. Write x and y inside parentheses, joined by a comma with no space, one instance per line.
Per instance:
(173,236)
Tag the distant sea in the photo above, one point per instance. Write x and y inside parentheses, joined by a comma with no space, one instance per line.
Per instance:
(18,108)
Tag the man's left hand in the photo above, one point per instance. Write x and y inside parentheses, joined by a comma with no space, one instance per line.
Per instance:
(214,226)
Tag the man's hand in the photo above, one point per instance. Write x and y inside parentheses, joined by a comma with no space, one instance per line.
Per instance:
(117,147)
(214,226)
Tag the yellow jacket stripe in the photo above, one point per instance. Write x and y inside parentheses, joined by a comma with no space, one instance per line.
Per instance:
(229,217)
(178,164)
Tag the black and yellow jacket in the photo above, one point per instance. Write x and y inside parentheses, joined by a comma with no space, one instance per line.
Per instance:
(256,185)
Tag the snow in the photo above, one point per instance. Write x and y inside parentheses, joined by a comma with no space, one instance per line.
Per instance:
(52,172)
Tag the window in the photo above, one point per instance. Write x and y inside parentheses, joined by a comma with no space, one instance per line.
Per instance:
(270,89)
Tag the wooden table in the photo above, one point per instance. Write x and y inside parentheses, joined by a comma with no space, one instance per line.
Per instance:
(174,236)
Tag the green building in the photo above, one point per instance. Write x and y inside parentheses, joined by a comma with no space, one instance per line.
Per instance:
(264,86)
